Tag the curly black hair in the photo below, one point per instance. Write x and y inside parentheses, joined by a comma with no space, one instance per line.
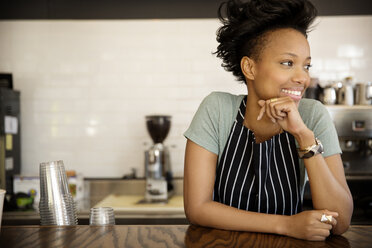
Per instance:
(246,23)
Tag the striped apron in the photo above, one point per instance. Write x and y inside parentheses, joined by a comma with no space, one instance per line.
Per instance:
(263,177)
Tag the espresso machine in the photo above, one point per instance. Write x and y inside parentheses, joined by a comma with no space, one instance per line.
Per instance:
(354,129)
(158,171)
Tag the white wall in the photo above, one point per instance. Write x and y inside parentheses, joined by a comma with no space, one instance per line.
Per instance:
(342,46)
(87,85)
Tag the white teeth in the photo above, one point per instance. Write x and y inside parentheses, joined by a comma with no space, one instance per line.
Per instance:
(292,92)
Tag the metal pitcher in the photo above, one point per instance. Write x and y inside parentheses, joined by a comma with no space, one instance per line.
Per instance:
(329,95)
(363,93)
(346,95)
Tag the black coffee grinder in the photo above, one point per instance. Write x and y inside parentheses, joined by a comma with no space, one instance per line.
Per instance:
(158,172)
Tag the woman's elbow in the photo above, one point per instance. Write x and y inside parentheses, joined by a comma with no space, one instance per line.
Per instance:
(341,228)
(343,225)
(345,217)
(192,213)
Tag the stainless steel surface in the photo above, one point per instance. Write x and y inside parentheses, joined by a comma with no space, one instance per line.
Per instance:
(363,94)
(352,122)
(158,170)
(357,164)
(157,162)
(354,127)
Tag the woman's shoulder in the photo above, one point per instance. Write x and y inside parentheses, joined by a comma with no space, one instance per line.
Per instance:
(309,105)
(312,111)
(223,99)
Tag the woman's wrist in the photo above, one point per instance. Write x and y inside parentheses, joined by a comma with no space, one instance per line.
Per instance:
(283,225)
(305,138)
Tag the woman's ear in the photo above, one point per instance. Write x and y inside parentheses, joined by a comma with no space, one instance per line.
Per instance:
(247,67)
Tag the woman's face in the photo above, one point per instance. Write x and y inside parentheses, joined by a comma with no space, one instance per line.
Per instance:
(283,66)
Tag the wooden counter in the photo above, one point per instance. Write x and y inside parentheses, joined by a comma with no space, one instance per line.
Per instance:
(165,236)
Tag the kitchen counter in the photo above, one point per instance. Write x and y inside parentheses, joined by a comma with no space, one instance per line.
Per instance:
(165,236)
(134,204)
(123,196)
(128,209)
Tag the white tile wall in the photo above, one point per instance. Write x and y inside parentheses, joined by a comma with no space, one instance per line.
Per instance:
(87,85)
(341,46)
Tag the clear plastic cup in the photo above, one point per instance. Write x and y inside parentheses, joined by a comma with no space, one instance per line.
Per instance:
(101,216)
(2,195)
(53,179)
(56,206)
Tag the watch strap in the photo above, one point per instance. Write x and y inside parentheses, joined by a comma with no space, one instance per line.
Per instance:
(311,151)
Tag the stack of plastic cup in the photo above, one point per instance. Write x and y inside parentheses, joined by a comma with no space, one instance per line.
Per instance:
(56,205)
(2,195)
(101,216)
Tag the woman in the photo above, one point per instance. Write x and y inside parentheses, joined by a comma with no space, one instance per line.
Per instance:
(247,156)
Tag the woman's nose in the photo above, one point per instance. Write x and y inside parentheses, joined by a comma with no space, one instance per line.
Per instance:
(301,76)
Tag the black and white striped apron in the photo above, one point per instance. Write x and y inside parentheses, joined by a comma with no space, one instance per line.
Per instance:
(261,177)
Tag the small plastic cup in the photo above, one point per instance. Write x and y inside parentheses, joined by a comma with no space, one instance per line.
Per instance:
(101,216)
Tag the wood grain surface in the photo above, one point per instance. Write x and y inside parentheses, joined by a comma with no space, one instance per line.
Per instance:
(165,236)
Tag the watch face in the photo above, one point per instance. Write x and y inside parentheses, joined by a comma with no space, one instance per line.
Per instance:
(316,149)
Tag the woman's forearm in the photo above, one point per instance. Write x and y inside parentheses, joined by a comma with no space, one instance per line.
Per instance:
(327,183)
(328,193)
(217,215)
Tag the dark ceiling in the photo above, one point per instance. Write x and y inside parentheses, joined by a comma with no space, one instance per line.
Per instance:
(148,9)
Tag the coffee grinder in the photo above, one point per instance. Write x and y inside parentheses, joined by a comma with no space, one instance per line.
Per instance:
(158,172)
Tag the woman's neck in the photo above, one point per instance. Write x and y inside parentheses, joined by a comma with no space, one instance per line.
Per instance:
(263,129)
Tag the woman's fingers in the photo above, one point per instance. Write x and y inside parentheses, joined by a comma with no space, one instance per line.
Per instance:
(269,111)
(261,103)
(321,231)
(262,111)
(318,238)
(325,226)
(333,220)
(307,225)
(334,214)
(279,111)
(275,108)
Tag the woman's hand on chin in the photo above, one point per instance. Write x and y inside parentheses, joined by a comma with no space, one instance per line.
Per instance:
(283,111)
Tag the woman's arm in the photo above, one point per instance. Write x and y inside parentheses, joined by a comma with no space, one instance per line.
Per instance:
(200,209)
(328,185)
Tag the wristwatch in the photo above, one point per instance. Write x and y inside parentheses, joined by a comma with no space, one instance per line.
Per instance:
(310,151)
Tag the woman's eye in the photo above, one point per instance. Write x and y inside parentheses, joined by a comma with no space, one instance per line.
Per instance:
(307,67)
(287,63)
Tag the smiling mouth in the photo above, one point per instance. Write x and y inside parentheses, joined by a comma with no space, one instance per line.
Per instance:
(295,94)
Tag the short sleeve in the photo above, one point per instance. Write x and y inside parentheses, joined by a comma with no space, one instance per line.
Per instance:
(203,129)
(324,129)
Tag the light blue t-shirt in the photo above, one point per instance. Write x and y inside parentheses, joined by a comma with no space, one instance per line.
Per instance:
(213,120)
